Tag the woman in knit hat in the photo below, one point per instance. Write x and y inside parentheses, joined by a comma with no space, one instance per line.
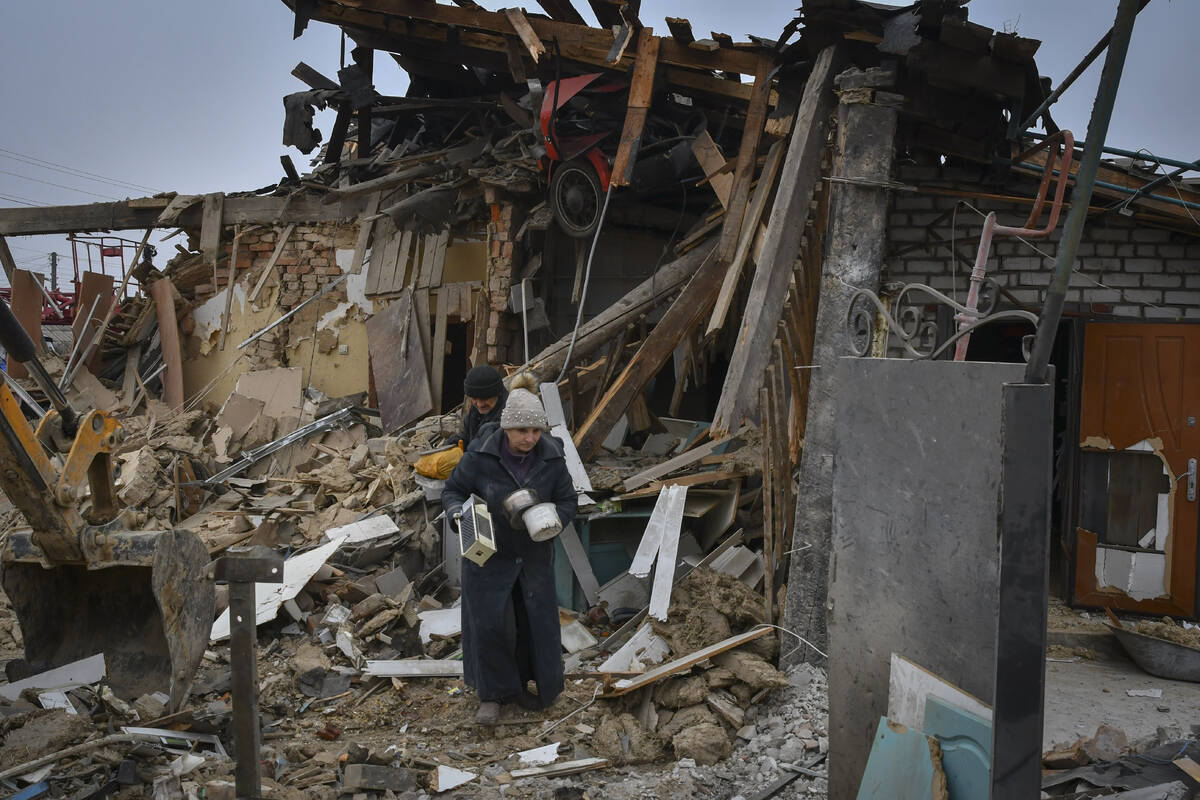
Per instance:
(510,628)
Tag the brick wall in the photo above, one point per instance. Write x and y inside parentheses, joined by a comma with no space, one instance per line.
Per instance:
(501,336)
(1125,268)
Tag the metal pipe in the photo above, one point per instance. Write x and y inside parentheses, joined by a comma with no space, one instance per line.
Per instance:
(1116,187)
(1092,55)
(1119,151)
(1145,190)
(1106,95)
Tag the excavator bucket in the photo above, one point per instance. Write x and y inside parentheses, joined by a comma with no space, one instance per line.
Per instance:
(147,604)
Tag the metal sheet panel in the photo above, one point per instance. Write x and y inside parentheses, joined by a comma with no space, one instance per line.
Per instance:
(915,563)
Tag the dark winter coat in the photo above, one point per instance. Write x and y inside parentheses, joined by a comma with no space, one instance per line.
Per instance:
(509,605)
(473,421)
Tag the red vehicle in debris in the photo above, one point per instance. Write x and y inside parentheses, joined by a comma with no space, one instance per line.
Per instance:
(580,120)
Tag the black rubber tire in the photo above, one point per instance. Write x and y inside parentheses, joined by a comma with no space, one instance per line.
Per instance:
(576,198)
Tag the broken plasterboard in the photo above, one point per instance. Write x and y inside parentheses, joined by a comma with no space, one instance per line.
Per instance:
(447,778)
(1140,575)
(574,464)
(667,514)
(279,389)
(440,621)
(741,563)
(364,530)
(68,676)
(625,591)
(909,685)
(645,648)
(576,637)
(268,597)
(539,756)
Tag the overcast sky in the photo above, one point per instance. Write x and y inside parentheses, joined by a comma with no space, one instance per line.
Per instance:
(153,96)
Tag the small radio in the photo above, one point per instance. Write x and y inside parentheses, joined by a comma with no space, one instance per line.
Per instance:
(475,540)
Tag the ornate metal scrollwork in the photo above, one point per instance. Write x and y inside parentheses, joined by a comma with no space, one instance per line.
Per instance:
(908,328)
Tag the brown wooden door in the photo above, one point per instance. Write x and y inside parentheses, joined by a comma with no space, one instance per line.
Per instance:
(1138,432)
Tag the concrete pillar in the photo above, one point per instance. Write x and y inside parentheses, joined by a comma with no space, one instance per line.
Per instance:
(855,243)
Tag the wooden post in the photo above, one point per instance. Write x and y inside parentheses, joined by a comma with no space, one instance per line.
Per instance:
(168,333)
(91,286)
(855,244)
(641,88)
(768,291)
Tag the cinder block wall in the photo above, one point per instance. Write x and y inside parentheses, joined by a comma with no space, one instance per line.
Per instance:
(1125,268)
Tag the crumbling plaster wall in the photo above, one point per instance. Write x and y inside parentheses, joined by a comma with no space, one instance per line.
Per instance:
(312,256)
(1128,269)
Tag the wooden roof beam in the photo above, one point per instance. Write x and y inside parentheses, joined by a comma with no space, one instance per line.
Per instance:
(389,16)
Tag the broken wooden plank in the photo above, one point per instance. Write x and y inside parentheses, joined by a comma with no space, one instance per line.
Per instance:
(678,462)
(526,33)
(599,330)
(438,268)
(401,380)
(750,227)
(428,247)
(684,314)
(713,163)
(694,479)
(627,685)
(366,224)
(768,291)
(439,352)
(421,308)
(580,564)
(168,334)
(562,11)
(558,770)
(269,269)
(229,287)
(743,171)
(641,88)
(210,230)
(681,30)
(6,260)
(413,668)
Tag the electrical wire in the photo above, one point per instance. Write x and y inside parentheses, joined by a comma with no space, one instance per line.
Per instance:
(57,185)
(587,274)
(23,201)
(803,641)
(67,170)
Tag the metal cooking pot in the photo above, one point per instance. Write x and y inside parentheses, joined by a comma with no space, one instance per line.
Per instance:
(517,503)
(542,522)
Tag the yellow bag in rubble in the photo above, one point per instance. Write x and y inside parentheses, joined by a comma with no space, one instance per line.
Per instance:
(439,465)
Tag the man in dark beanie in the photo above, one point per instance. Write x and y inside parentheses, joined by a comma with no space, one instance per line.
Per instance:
(486,395)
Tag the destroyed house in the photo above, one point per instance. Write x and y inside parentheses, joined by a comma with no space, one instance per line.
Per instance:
(777,294)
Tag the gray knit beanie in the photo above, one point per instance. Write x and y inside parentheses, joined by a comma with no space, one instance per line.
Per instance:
(523,410)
